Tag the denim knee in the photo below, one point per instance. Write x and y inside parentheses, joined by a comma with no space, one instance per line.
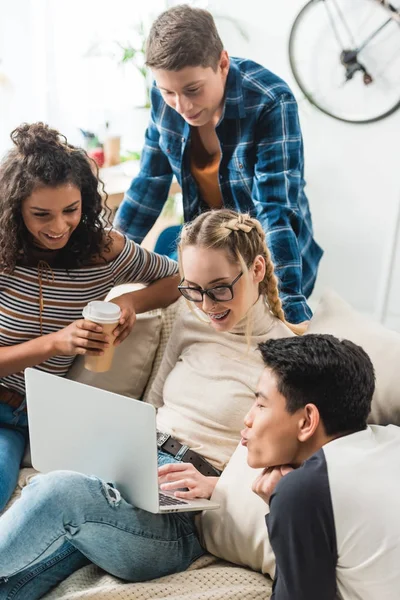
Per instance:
(57,482)
(63,490)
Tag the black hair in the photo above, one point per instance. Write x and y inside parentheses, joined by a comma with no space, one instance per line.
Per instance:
(335,375)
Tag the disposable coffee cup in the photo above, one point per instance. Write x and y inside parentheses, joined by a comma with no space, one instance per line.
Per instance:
(106,314)
(112,151)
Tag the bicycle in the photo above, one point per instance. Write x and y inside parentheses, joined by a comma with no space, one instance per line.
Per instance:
(345,57)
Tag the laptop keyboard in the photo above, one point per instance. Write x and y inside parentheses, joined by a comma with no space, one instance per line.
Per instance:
(170,500)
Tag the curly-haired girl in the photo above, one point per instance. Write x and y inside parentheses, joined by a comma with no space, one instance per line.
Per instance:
(56,255)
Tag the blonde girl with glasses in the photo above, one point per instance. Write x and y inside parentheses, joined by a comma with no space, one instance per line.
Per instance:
(224,239)
(205,386)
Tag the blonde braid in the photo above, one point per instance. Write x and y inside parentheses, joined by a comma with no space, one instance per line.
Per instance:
(269,285)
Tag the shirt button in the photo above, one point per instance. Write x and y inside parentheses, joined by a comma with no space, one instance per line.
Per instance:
(183,140)
(240,166)
(169,151)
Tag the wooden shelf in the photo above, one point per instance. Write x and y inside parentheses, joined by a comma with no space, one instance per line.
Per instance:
(117,180)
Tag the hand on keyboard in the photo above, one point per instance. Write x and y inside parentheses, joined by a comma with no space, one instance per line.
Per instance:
(174,476)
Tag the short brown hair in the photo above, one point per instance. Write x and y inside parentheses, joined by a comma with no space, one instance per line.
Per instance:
(183,37)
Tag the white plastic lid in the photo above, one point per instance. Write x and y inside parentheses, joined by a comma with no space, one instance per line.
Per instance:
(101,312)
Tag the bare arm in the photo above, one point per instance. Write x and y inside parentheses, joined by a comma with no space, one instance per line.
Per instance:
(80,337)
(84,337)
(16,358)
(159,294)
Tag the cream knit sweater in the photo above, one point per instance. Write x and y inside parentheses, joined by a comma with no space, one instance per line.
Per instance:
(207,381)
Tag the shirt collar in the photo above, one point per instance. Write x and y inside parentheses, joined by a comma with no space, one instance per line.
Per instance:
(258,320)
(234,103)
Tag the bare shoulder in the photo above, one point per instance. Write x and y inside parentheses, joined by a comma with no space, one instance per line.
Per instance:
(114,244)
(115,247)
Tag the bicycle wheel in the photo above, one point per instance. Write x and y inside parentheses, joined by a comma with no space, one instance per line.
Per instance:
(321,32)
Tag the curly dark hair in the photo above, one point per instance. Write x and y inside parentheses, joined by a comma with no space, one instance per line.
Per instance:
(43,157)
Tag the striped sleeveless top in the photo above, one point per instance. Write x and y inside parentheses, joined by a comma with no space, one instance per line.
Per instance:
(64,295)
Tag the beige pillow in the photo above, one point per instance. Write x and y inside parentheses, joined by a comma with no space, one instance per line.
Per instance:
(237,532)
(132,362)
(333,315)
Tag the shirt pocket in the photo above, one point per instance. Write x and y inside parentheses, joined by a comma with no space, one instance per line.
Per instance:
(172,149)
(241,174)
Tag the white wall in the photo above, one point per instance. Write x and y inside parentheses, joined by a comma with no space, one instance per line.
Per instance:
(21,67)
(352,171)
(44,47)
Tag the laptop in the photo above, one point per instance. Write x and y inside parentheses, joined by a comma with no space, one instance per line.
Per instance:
(81,428)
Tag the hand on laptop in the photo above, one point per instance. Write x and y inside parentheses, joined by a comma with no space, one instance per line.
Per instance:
(175,476)
(265,484)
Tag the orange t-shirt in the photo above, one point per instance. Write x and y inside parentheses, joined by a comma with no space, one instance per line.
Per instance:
(205,170)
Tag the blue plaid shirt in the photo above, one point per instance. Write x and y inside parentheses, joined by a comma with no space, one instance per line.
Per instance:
(261,171)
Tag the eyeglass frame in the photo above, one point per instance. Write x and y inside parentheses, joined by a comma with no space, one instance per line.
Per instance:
(208,291)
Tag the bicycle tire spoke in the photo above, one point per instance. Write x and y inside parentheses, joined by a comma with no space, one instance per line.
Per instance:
(341,16)
(333,25)
(364,24)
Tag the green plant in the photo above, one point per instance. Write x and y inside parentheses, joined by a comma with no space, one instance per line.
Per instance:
(129,52)
(135,54)
(172,209)
(129,155)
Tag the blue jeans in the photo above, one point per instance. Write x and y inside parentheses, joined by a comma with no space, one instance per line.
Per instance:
(65,520)
(13,435)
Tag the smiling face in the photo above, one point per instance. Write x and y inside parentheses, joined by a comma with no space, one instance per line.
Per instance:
(51,215)
(207,268)
(196,93)
(273,436)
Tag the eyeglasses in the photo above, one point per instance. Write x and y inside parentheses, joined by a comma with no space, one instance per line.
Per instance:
(220,293)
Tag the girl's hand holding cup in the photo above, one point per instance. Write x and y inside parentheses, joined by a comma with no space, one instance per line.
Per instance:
(127,318)
(80,337)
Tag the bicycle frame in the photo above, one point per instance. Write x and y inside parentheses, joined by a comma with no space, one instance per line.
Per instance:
(394,15)
(392,9)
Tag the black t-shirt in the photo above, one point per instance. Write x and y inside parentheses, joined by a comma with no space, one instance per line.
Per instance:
(334,523)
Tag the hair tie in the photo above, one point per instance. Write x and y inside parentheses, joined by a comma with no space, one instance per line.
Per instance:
(237,225)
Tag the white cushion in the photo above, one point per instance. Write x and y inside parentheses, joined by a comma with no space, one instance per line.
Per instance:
(333,315)
(237,532)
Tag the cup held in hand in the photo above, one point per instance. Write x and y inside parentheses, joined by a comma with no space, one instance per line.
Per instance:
(106,314)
